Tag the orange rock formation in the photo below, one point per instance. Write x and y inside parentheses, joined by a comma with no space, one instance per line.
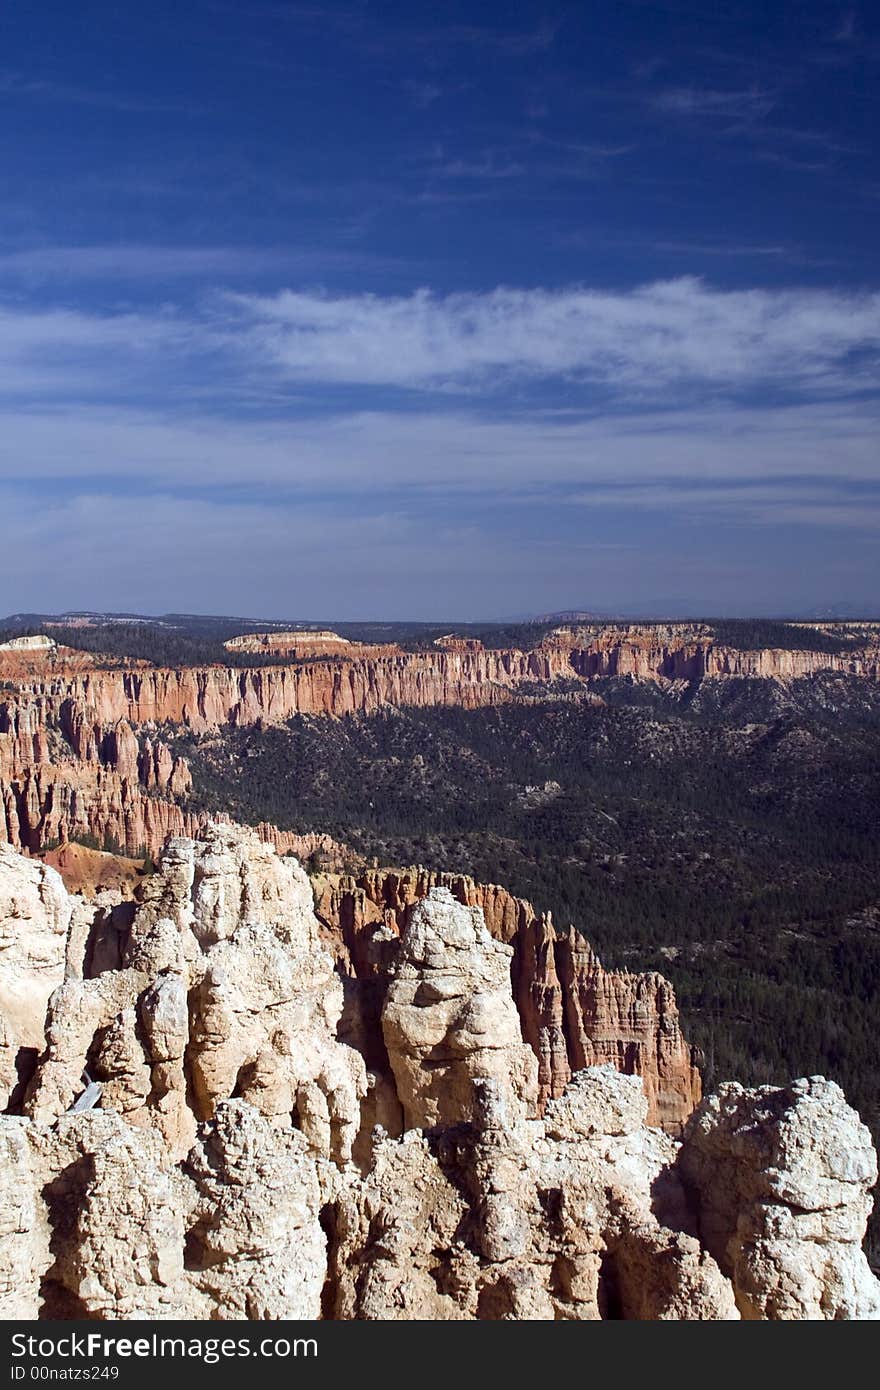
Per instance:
(574,1014)
(81,750)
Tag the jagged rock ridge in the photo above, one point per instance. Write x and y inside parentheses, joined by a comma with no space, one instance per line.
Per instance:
(237,1167)
(573,1013)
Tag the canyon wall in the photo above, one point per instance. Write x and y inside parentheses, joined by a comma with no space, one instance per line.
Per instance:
(66,774)
(210,697)
(82,751)
(83,756)
(573,1013)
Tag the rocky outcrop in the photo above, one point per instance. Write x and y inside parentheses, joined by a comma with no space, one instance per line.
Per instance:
(235,1166)
(511,1219)
(782,1180)
(573,1013)
(96,1221)
(689,652)
(109,794)
(448,1016)
(631,1022)
(451,643)
(91,872)
(211,697)
(35,916)
(65,776)
(307,645)
(222,989)
(299,639)
(255,1245)
(38,643)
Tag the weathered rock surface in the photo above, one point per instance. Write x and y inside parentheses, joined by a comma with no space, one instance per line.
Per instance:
(35,914)
(96,1221)
(66,774)
(222,989)
(301,644)
(573,1013)
(237,1167)
(255,1247)
(782,1180)
(449,1016)
(507,1218)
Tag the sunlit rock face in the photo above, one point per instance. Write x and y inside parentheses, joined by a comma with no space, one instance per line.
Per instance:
(239,1162)
(449,1016)
(222,989)
(35,916)
(573,1013)
(782,1179)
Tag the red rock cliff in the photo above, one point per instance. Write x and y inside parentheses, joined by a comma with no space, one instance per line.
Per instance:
(80,752)
(213,696)
(573,1013)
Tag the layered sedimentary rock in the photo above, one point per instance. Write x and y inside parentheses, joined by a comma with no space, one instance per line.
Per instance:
(216,1178)
(299,638)
(630,1021)
(306,646)
(82,750)
(111,790)
(450,643)
(211,697)
(689,652)
(64,775)
(38,643)
(573,1013)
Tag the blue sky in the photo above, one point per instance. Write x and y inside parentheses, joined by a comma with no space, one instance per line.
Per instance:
(462,311)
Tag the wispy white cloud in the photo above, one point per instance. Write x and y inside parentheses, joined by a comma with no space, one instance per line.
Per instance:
(422,94)
(238,401)
(67,354)
(531,155)
(509,43)
(485,166)
(818,502)
(676,340)
(743,113)
(796,163)
(643,340)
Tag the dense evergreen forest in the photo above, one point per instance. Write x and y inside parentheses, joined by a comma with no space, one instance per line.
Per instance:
(730,839)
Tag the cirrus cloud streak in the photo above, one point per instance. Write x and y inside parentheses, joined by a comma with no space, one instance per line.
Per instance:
(676,332)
